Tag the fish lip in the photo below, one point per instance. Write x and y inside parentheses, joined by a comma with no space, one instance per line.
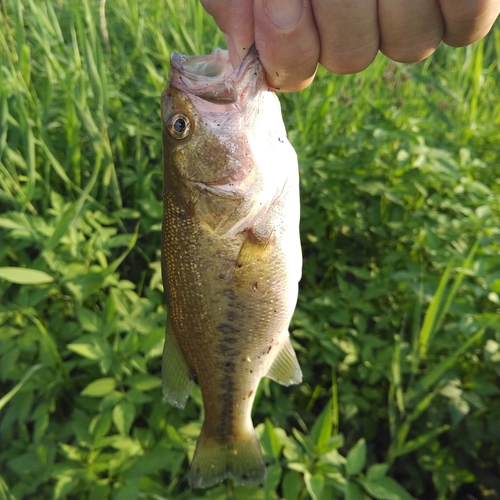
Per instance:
(212,78)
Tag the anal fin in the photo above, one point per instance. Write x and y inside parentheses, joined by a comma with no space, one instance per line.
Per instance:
(285,368)
(175,372)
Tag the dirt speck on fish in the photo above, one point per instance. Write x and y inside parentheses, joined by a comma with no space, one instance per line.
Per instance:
(231,253)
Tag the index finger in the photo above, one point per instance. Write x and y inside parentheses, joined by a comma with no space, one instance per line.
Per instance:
(235,19)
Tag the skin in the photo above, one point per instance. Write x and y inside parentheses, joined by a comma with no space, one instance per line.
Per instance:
(344,36)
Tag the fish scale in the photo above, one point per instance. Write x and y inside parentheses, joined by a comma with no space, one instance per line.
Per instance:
(231,254)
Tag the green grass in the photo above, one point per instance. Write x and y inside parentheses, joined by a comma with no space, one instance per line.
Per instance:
(397,327)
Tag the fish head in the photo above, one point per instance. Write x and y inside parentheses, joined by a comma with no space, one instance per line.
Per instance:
(207,110)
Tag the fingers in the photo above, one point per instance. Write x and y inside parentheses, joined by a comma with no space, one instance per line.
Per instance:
(292,36)
(409,30)
(467,22)
(348,32)
(287,41)
(235,19)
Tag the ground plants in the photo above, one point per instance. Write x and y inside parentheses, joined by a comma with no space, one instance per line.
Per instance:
(397,327)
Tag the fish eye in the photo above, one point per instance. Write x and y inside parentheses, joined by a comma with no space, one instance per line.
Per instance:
(178,126)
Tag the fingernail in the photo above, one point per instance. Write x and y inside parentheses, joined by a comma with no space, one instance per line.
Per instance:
(237,50)
(234,57)
(284,13)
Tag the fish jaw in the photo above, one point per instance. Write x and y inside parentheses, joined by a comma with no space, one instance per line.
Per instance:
(212,79)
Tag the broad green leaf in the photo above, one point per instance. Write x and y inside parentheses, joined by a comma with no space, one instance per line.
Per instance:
(356,458)
(89,351)
(272,481)
(270,441)
(385,488)
(129,490)
(90,321)
(376,471)
(322,428)
(100,387)
(144,382)
(138,397)
(175,438)
(315,484)
(64,485)
(305,441)
(100,426)
(292,485)
(123,416)
(24,276)
(334,443)
(354,492)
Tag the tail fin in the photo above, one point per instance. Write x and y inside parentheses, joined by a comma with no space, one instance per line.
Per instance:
(239,459)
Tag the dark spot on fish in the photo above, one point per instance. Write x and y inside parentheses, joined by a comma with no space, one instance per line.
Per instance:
(274,310)
(229,293)
(250,393)
(227,329)
(221,276)
(277,74)
(230,339)
(251,371)
(277,88)
(232,315)
(269,350)
(239,265)
(281,140)
(226,423)
(255,286)
(229,364)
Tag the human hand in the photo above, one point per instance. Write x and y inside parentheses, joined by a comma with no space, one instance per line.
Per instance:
(292,36)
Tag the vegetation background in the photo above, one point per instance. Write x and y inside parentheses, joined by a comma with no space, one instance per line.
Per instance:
(397,327)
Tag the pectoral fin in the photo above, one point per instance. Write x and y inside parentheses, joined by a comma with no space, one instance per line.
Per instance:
(175,372)
(254,247)
(285,369)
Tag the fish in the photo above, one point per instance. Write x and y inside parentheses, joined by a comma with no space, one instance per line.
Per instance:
(231,254)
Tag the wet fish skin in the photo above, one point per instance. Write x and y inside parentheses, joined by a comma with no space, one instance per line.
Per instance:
(231,254)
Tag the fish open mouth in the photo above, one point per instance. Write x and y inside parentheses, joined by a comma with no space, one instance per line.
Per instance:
(212,77)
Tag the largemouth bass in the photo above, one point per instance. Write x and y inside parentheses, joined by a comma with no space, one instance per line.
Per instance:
(231,253)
